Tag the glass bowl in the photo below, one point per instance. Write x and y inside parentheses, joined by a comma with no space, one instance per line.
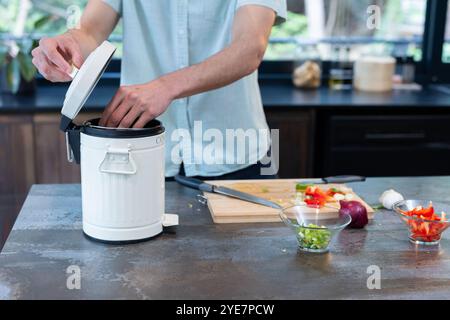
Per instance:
(314,231)
(423,231)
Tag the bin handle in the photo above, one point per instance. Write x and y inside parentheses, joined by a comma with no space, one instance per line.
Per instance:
(69,149)
(113,151)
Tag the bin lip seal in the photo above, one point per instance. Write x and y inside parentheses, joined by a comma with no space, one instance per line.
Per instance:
(91,128)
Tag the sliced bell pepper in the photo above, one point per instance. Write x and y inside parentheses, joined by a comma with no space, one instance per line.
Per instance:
(316,197)
(425,230)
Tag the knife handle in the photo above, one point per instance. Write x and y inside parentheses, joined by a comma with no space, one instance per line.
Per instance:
(344,179)
(194,183)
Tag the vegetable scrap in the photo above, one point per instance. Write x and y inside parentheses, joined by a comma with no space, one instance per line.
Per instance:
(315,197)
(312,236)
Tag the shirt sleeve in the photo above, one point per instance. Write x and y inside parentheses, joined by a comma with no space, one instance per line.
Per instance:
(115,4)
(279,6)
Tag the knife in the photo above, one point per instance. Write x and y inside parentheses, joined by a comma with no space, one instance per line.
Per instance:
(206,187)
(333,179)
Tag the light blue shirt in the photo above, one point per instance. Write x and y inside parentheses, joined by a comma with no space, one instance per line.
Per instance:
(162,36)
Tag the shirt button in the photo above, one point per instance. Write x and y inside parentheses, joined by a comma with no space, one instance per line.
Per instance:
(181,32)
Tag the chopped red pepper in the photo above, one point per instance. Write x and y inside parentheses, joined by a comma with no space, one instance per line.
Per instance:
(316,197)
(425,230)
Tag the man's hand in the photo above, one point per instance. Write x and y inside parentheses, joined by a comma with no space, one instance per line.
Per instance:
(134,106)
(55,56)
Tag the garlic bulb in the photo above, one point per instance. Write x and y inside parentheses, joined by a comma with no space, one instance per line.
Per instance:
(389,197)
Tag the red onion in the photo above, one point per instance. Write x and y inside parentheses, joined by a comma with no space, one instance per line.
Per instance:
(357,211)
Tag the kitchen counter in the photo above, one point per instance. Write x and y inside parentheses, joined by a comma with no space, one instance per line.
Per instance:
(199,259)
(284,95)
(274,94)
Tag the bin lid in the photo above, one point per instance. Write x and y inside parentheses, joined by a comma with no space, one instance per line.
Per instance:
(84,82)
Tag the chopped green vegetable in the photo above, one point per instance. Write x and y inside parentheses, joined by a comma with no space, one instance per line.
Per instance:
(301,187)
(377,207)
(264,190)
(318,238)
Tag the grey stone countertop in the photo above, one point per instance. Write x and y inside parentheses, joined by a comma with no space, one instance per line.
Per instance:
(202,260)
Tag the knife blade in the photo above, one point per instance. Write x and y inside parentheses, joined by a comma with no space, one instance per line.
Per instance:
(333,179)
(245,196)
(206,187)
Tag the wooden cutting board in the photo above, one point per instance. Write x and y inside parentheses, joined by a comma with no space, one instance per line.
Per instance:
(228,210)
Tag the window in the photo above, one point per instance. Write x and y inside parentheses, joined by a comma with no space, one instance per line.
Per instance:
(39,18)
(315,29)
(312,25)
(54,10)
(318,25)
(446,48)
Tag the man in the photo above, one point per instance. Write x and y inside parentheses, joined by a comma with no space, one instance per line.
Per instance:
(191,63)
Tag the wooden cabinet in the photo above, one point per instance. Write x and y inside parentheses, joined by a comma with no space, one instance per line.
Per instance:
(50,148)
(17,172)
(50,162)
(33,150)
(295,140)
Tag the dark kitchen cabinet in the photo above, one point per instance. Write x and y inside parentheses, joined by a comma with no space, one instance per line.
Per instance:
(295,140)
(50,162)
(384,144)
(33,150)
(51,156)
(312,142)
(16,154)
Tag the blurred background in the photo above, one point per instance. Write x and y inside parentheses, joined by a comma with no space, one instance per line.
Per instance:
(324,30)
(313,26)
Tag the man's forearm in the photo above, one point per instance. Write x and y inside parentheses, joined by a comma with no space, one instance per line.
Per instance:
(96,24)
(224,68)
(86,41)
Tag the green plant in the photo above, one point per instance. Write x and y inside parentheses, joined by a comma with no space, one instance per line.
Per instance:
(15,57)
(296,25)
